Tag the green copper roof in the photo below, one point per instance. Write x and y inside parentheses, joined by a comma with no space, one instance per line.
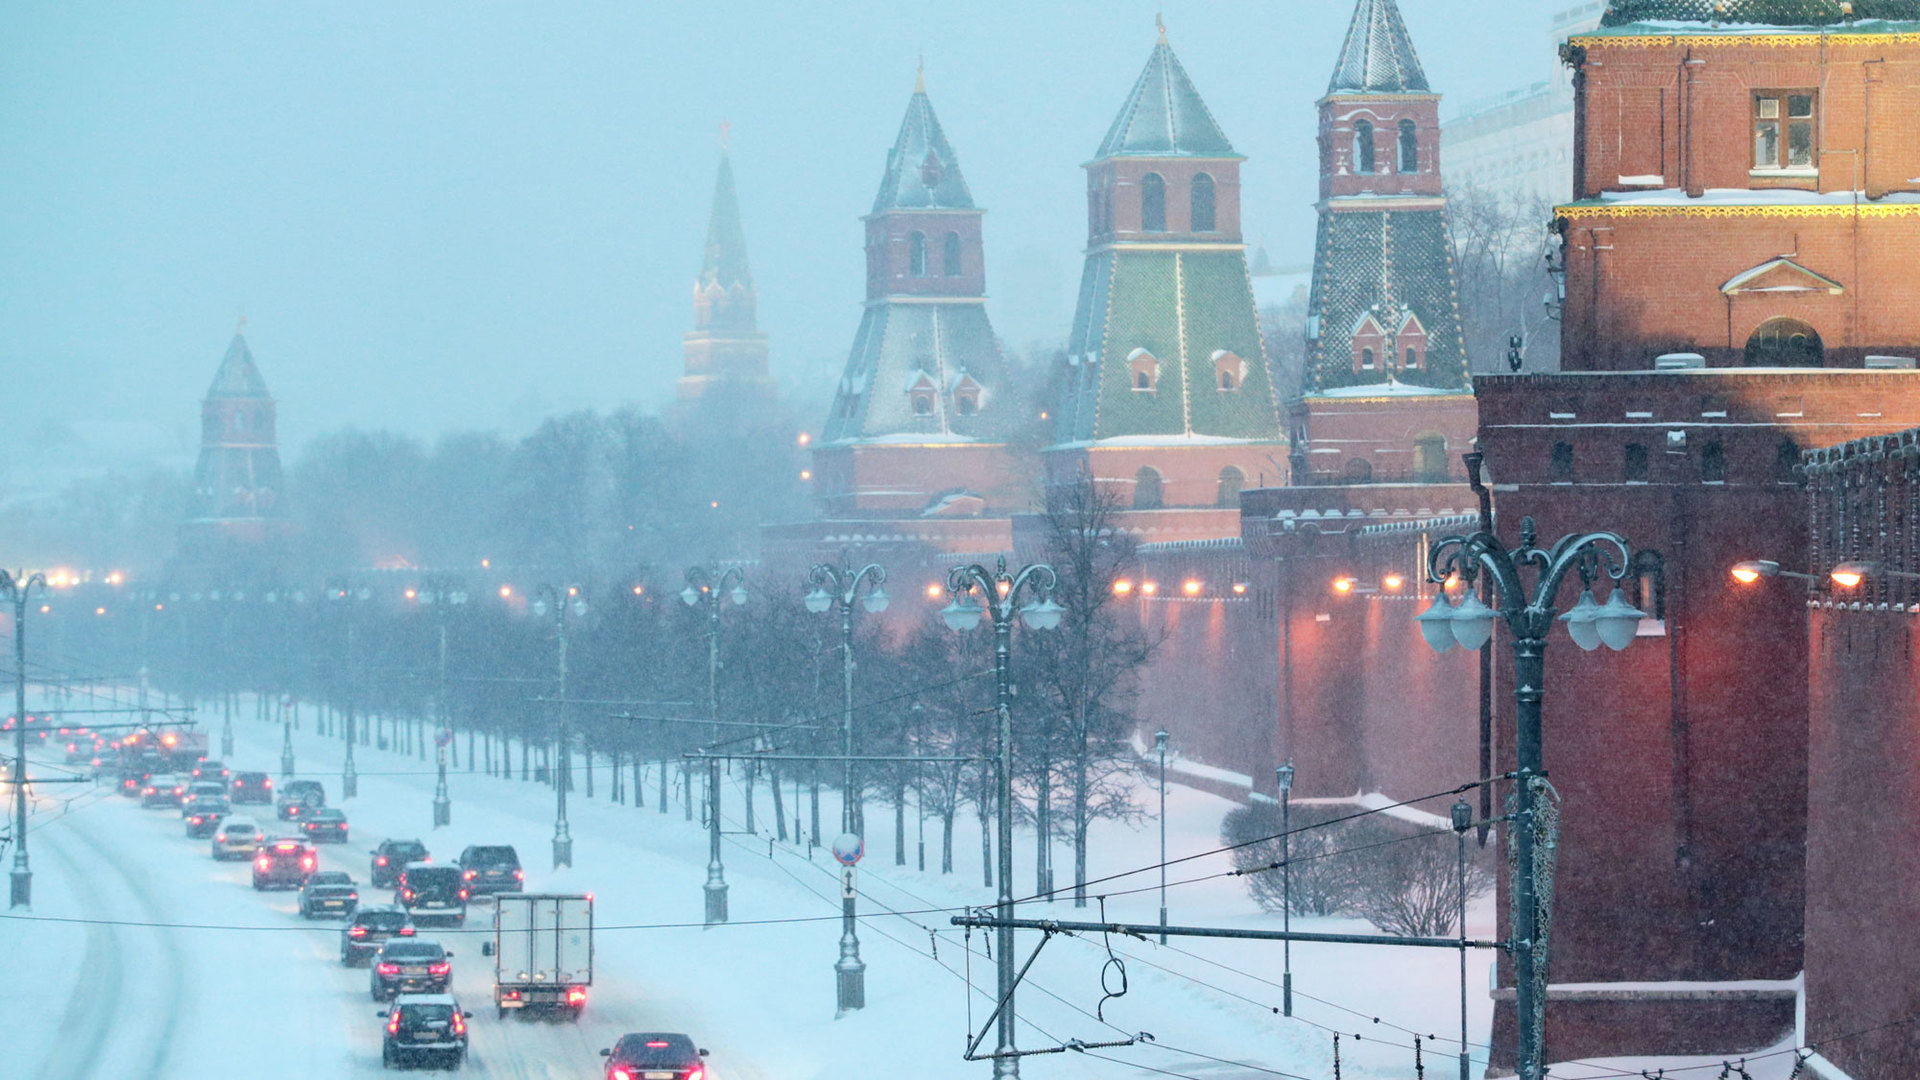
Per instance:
(238,377)
(1378,56)
(1164,116)
(1393,263)
(1761,12)
(726,256)
(922,171)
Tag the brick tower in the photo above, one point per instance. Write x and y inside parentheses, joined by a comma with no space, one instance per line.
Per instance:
(1168,395)
(238,512)
(725,350)
(1385,394)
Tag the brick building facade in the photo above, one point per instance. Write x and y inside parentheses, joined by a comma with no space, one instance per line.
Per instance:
(237,524)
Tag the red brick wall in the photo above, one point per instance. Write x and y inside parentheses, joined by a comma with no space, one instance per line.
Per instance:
(1382,431)
(1384,111)
(1118,180)
(889,243)
(901,480)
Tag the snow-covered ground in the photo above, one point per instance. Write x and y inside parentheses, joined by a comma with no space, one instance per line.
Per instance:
(193,974)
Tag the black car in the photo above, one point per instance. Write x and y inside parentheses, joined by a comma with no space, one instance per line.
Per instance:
(132,779)
(654,1055)
(204,814)
(437,891)
(299,797)
(325,825)
(328,892)
(210,769)
(283,863)
(392,856)
(409,966)
(252,787)
(425,1026)
(492,868)
(370,928)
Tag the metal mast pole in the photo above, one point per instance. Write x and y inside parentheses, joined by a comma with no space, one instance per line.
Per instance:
(562,839)
(850,969)
(716,887)
(19,586)
(442,802)
(1006,1063)
(349,779)
(1160,743)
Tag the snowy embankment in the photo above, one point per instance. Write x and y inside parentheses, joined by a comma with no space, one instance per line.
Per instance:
(257,991)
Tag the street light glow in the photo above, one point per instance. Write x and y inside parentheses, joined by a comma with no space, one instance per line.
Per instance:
(1123,587)
(412,594)
(1148,588)
(506,592)
(1192,586)
(1239,588)
(1849,575)
(1343,585)
(934,590)
(1393,582)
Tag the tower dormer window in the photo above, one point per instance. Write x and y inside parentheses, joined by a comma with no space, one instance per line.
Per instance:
(1229,371)
(1409,147)
(930,171)
(1363,146)
(951,262)
(1153,203)
(917,254)
(1201,202)
(1144,371)
(1366,360)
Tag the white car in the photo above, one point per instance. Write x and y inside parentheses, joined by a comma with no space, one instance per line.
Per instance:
(235,838)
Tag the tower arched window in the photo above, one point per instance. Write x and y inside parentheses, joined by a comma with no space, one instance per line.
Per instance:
(1409,147)
(1562,463)
(951,262)
(1363,146)
(1200,201)
(240,420)
(1232,480)
(1153,203)
(1713,464)
(1366,359)
(1786,459)
(1147,489)
(1634,465)
(917,254)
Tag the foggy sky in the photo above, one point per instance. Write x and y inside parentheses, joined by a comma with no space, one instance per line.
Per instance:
(439,216)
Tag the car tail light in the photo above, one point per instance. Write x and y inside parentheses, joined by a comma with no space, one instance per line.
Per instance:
(406,931)
(471,874)
(406,894)
(381,861)
(519,875)
(463,894)
(264,864)
(576,996)
(267,784)
(306,863)
(179,791)
(393,1022)
(459,1024)
(696,1073)
(353,896)
(426,858)
(619,1074)
(357,932)
(439,969)
(389,969)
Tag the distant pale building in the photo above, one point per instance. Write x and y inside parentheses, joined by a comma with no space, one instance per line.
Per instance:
(1520,143)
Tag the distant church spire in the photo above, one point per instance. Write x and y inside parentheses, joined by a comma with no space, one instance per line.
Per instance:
(726,346)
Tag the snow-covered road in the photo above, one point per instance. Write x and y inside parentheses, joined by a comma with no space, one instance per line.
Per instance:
(232,983)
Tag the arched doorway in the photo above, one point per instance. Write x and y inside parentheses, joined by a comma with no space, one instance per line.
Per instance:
(1147,489)
(1785,342)
(1232,481)
(1430,459)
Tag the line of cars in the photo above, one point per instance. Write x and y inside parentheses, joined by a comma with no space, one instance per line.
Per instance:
(409,974)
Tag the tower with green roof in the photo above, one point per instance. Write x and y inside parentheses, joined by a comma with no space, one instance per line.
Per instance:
(726,350)
(1168,393)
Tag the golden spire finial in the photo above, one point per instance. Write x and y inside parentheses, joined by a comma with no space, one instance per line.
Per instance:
(1160,24)
(726,129)
(920,76)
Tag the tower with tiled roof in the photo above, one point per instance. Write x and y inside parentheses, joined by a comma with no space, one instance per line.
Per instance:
(1168,392)
(1384,309)
(725,351)
(921,413)
(237,518)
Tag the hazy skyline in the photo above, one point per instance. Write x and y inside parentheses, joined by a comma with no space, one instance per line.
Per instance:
(438,217)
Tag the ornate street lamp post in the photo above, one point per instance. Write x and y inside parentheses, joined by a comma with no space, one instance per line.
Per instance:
(838,587)
(551,600)
(1001,592)
(1160,744)
(1529,616)
(706,586)
(1283,778)
(344,594)
(16,587)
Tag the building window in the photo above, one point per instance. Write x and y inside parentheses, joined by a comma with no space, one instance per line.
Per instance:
(1430,459)
(1413,358)
(923,403)
(1144,370)
(1362,146)
(1229,371)
(1366,359)
(239,421)
(1562,465)
(966,404)
(1201,204)
(1147,490)
(952,261)
(1231,481)
(1153,203)
(1785,343)
(917,254)
(1635,466)
(1713,464)
(1409,147)
(1783,129)
(1359,471)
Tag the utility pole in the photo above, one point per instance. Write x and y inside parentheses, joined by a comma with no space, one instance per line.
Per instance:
(838,587)
(1283,782)
(550,598)
(343,593)
(17,586)
(1001,593)
(705,586)
(443,594)
(1160,744)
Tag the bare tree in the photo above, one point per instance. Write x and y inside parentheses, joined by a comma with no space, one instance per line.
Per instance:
(1500,269)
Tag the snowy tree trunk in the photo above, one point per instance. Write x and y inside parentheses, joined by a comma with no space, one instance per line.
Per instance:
(1080,796)
(900,823)
(586,757)
(986,848)
(639,785)
(1043,827)
(946,841)
(779,807)
(814,794)
(753,768)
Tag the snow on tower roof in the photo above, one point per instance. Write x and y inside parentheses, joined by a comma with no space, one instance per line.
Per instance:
(1759,12)
(1378,56)
(1164,116)
(725,263)
(923,172)
(238,377)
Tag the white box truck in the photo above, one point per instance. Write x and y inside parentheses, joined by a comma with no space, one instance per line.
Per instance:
(542,952)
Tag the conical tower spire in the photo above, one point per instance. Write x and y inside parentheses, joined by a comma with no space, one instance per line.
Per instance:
(1164,115)
(923,173)
(1378,56)
(238,376)
(726,349)
(726,253)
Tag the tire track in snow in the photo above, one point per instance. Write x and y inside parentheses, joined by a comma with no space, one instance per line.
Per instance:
(95,1002)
